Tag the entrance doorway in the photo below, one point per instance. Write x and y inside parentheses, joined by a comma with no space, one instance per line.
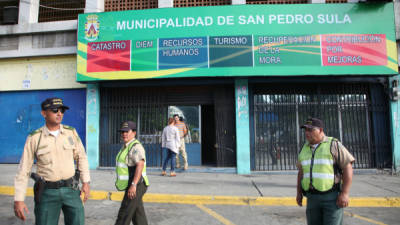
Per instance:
(200,141)
(207,110)
(208,150)
(190,115)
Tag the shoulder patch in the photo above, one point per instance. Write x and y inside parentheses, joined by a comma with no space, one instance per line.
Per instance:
(68,127)
(35,132)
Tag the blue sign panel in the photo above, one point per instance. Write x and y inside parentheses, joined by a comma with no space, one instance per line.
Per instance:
(20,115)
(183,52)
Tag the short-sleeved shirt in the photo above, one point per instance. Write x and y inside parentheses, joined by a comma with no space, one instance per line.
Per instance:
(345,156)
(136,154)
(182,128)
(55,157)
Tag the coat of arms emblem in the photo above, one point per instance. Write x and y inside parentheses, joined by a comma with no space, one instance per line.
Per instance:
(92,28)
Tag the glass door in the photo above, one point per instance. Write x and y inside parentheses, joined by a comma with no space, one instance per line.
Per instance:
(190,115)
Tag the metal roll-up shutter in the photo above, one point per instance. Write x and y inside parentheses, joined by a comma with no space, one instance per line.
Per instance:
(188,95)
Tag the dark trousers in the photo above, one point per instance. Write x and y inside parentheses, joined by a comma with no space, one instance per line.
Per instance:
(170,156)
(132,209)
(322,209)
(47,212)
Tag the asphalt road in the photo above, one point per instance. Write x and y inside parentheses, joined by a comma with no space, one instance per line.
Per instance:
(103,212)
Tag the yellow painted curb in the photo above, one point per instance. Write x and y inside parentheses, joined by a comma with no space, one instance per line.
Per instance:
(284,201)
(223,200)
(375,202)
(197,199)
(99,195)
(219,200)
(8,190)
(117,196)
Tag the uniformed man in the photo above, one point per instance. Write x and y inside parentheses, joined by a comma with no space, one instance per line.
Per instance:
(325,175)
(55,147)
(131,177)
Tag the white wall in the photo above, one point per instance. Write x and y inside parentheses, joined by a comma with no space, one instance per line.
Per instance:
(30,38)
(39,73)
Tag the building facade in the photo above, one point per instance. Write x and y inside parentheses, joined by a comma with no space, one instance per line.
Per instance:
(243,75)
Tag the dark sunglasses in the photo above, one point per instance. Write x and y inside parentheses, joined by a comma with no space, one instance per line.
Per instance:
(62,110)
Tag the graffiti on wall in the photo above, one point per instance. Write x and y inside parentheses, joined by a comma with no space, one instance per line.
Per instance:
(21,115)
(241,102)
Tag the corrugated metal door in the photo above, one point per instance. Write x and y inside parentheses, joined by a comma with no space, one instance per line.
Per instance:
(356,114)
(20,115)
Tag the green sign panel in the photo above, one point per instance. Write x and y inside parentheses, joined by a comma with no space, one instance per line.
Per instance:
(238,40)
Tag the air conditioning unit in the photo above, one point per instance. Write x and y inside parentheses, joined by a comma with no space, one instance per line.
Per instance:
(10,15)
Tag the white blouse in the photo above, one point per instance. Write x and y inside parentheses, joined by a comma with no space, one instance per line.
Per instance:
(171,138)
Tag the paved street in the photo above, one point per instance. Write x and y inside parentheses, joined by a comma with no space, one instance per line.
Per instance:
(221,197)
(103,212)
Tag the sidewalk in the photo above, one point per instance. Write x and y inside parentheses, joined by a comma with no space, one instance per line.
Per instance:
(371,188)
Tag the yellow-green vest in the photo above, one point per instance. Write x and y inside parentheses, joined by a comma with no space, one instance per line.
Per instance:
(322,171)
(122,169)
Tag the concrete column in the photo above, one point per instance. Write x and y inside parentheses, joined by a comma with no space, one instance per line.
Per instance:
(242,126)
(93,6)
(93,125)
(397,22)
(316,1)
(395,126)
(238,2)
(28,11)
(165,3)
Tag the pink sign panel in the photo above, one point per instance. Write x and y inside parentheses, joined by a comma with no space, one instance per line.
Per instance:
(353,49)
(108,56)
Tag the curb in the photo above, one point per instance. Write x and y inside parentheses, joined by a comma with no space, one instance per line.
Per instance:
(223,200)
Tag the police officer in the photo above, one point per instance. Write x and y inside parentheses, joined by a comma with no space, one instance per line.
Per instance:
(131,177)
(55,147)
(325,175)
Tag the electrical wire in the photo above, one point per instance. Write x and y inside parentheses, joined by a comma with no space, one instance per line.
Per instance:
(63,9)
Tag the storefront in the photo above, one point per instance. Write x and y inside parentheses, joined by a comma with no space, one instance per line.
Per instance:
(243,77)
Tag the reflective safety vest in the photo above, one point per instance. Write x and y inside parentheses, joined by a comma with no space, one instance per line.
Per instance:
(122,169)
(317,166)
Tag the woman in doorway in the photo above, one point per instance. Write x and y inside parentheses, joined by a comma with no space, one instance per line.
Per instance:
(171,141)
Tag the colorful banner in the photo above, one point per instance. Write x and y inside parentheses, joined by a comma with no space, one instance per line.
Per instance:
(238,40)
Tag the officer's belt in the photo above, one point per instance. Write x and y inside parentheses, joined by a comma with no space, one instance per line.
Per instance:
(336,187)
(59,184)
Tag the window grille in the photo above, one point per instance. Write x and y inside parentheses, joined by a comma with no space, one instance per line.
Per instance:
(191,3)
(50,10)
(254,2)
(9,43)
(335,1)
(8,12)
(356,114)
(121,5)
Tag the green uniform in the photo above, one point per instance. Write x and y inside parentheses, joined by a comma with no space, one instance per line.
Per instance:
(55,157)
(47,212)
(131,210)
(321,181)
